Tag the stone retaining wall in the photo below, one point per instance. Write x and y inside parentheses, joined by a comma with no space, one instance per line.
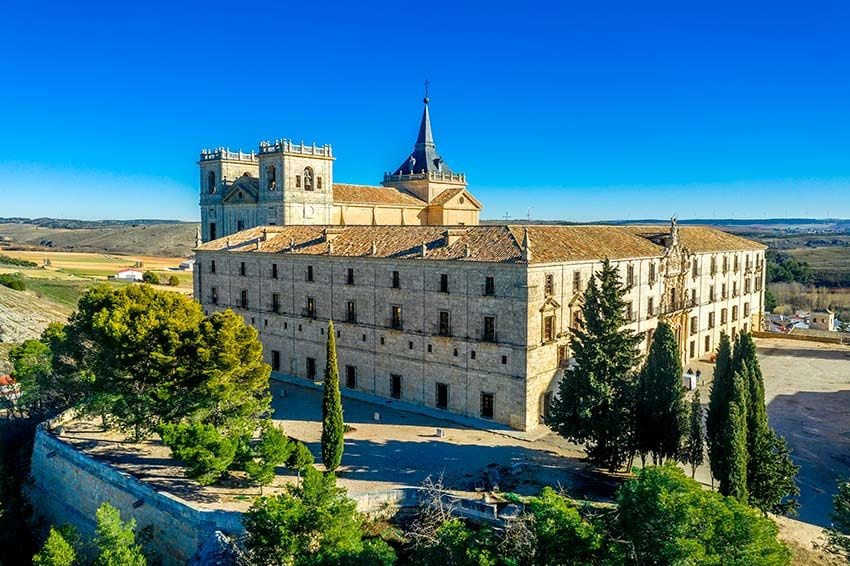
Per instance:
(68,487)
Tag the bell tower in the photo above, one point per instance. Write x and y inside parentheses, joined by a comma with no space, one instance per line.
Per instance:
(297,179)
(218,169)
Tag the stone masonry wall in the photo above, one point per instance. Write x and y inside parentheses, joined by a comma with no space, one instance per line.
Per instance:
(68,487)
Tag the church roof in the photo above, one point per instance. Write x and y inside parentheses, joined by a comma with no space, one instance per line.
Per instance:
(486,243)
(424,158)
(366,194)
(245,188)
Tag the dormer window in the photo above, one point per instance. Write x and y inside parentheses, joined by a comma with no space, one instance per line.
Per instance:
(211,182)
(308,178)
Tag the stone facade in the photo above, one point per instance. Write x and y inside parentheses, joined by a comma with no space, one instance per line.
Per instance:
(284,183)
(472,320)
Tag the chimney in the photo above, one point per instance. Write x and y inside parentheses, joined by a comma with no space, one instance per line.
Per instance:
(330,234)
(466,251)
(374,250)
(330,248)
(452,235)
(424,250)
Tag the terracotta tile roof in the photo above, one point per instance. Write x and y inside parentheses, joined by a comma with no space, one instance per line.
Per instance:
(354,194)
(486,243)
(446,196)
(6,380)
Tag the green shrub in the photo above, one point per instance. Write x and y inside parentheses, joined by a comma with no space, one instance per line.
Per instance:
(205,451)
(7,260)
(150,277)
(13,281)
(174,281)
(273,449)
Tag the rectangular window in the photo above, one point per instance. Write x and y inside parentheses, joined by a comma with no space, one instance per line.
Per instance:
(650,307)
(549,285)
(695,272)
(349,276)
(240,225)
(489,286)
(630,312)
(311,368)
(213,234)
(576,281)
(489,329)
(444,283)
(693,297)
(275,302)
(746,309)
(694,326)
(711,319)
(275,360)
(734,313)
(214,295)
(563,356)
(395,386)
(242,268)
(651,273)
(298,181)
(630,275)
(548,328)
(758,283)
(395,321)
(725,264)
(486,405)
(396,280)
(734,288)
(747,286)
(243,302)
(711,294)
(351,377)
(351,312)
(311,307)
(737,263)
(723,315)
(309,273)
(575,320)
(707,344)
(693,348)
(445,329)
(319,183)
(442,396)
(274,271)
(212,266)
(723,294)
(713,266)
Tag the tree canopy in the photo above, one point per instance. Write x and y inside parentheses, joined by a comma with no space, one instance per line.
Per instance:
(595,401)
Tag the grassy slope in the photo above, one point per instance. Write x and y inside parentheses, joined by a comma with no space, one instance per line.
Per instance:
(169,240)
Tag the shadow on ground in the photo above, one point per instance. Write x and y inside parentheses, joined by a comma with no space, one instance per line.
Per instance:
(817,427)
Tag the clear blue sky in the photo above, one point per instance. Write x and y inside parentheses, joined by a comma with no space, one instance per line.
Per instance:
(581,110)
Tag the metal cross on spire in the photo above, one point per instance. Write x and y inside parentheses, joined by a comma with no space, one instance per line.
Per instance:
(427,84)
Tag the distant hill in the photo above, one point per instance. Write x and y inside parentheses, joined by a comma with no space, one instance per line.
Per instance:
(166,238)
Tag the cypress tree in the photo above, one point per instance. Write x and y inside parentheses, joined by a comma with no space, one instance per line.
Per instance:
(660,408)
(733,476)
(595,405)
(332,424)
(718,406)
(693,452)
(770,469)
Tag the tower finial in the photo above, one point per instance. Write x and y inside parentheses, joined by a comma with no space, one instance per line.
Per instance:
(426,100)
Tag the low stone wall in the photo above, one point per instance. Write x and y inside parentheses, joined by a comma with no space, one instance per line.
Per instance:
(838,338)
(68,487)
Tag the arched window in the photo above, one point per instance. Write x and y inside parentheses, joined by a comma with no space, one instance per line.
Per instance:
(271,178)
(211,182)
(308,178)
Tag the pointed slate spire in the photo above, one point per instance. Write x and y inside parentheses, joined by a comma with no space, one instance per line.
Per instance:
(425,137)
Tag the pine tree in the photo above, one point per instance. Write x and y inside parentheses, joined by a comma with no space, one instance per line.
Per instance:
(595,405)
(116,540)
(332,424)
(57,551)
(838,534)
(718,406)
(693,452)
(733,476)
(660,407)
